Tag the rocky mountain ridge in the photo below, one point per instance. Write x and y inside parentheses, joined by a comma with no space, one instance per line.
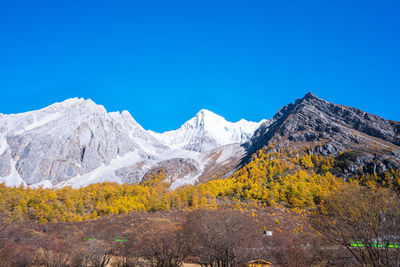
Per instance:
(77,142)
(326,128)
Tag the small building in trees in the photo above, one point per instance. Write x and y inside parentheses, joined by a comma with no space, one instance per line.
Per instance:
(258,263)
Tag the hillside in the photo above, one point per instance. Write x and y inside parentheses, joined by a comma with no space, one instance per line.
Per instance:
(326,128)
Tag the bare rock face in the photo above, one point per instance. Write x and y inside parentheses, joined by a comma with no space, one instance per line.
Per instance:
(130,174)
(5,163)
(359,162)
(174,169)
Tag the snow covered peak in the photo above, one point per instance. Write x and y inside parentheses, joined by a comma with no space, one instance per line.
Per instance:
(206,131)
(204,118)
(206,113)
(68,139)
(70,101)
(78,103)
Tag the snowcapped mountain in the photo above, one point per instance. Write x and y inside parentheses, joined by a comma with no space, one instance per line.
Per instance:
(207,131)
(77,142)
(67,140)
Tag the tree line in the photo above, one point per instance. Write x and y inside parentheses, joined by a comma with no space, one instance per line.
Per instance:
(219,237)
(297,180)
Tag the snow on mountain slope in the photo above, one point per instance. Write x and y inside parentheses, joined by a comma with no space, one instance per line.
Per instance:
(77,143)
(67,140)
(207,131)
(104,173)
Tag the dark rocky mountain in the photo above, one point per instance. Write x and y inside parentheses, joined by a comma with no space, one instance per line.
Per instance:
(326,128)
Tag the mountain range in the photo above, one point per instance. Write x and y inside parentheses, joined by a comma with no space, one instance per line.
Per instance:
(77,143)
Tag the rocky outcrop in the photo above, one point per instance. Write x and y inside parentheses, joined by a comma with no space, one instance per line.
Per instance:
(5,163)
(132,173)
(358,162)
(174,169)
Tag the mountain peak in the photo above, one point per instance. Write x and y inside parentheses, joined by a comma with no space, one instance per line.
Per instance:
(308,99)
(310,95)
(75,101)
(204,114)
(206,131)
(313,120)
(69,103)
(204,111)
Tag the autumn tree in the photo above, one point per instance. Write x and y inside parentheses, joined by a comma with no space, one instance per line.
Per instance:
(293,249)
(366,221)
(222,237)
(161,243)
(5,238)
(98,253)
(16,246)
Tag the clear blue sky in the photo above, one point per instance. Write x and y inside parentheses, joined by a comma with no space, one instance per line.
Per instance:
(165,60)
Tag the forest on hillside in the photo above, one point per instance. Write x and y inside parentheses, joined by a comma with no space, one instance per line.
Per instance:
(291,179)
(316,218)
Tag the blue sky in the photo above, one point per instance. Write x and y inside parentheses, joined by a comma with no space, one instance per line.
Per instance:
(165,60)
